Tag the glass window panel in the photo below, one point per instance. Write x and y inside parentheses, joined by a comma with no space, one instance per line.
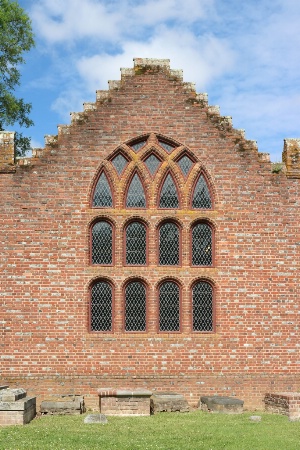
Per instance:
(201,197)
(119,163)
(136,195)
(102,193)
(101,307)
(135,309)
(166,146)
(202,245)
(136,147)
(202,307)
(169,244)
(168,194)
(102,243)
(136,243)
(169,301)
(152,163)
(185,164)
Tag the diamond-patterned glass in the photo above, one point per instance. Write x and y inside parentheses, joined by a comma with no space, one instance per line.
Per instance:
(102,193)
(102,243)
(135,307)
(136,243)
(202,307)
(201,197)
(168,194)
(169,313)
(166,146)
(169,244)
(185,164)
(202,245)
(152,163)
(136,195)
(101,307)
(136,147)
(120,163)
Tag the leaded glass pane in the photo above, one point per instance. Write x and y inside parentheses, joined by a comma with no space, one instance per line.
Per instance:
(136,147)
(169,314)
(136,243)
(120,163)
(135,308)
(202,245)
(185,164)
(102,243)
(102,193)
(152,163)
(201,197)
(166,146)
(136,195)
(169,244)
(101,307)
(168,194)
(202,307)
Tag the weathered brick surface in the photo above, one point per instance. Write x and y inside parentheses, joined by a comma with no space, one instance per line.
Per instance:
(45,265)
(116,402)
(286,403)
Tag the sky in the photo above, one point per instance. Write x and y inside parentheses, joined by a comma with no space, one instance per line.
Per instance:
(244,54)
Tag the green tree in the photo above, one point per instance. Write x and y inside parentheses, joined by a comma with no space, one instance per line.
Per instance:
(16,37)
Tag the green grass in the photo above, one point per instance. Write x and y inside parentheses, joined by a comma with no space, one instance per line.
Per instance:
(167,431)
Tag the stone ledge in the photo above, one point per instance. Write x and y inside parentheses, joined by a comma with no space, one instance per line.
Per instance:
(108,392)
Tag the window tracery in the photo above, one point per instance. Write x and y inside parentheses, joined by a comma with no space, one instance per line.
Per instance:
(154,159)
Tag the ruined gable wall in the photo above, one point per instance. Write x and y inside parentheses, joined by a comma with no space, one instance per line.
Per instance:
(45,256)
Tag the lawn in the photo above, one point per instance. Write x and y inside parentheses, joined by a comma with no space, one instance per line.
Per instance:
(167,431)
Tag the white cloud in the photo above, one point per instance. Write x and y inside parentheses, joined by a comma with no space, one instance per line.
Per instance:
(210,57)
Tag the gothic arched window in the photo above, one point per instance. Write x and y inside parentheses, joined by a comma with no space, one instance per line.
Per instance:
(202,242)
(169,306)
(201,198)
(135,306)
(101,306)
(202,306)
(135,195)
(168,195)
(102,197)
(169,244)
(136,243)
(102,243)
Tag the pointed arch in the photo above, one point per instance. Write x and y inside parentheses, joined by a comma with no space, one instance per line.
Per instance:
(201,193)
(168,197)
(135,193)
(203,310)
(102,196)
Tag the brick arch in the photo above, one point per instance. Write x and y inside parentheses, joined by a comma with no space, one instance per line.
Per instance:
(106,169)
(127,184)
(160,185)
(192,181)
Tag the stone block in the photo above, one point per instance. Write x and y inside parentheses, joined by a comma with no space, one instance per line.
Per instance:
(123,402)
(96,418)
(64,405)
(17,412)
(168,402)
(219,404)
(12,395)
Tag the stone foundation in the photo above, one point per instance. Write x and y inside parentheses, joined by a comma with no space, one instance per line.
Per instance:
(15,407)
(168,402)
(219,404)
(286,403)
(117,402)
(63,405)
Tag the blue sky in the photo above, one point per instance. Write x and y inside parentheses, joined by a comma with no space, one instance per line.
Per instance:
(244,54)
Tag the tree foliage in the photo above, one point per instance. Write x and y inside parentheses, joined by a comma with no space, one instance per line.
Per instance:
(16,38)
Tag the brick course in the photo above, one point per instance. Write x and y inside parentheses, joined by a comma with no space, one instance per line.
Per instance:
(46,213)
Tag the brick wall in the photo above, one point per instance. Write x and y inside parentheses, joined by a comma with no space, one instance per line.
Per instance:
(45,265)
